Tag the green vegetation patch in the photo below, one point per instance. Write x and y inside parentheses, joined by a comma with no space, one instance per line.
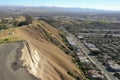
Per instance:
(71,73)
(10,39)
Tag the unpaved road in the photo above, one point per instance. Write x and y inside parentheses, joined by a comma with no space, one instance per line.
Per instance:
(8,52)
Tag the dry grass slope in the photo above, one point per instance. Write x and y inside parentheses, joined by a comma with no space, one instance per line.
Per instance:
(56,62)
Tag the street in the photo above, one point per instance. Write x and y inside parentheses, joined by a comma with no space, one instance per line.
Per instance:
(92,59)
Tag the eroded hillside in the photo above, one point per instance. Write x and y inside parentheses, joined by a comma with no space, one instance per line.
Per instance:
(53,63)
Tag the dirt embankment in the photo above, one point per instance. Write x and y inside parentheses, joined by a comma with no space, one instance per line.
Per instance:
(10,67)
(52,63)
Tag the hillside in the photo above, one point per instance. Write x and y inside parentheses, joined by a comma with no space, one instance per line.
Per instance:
(52,63)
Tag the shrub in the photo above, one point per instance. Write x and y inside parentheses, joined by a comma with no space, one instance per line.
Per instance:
(6,39)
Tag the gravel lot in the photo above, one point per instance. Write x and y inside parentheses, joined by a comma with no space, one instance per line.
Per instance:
(8,53)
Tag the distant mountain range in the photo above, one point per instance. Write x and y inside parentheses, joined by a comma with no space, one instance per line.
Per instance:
(43,10)
(76,9)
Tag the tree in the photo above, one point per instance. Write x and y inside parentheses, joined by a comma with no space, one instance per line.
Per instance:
(28,19)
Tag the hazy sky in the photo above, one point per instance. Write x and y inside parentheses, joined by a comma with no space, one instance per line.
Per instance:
(96,4)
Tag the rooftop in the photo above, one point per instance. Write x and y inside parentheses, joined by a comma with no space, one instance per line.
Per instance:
(114,65)
(80,54)
(83,59)
(92,47)
(80,37)
(70,40)
(95,74)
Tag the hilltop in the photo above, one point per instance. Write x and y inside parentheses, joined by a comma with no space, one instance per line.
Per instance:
(47,46)
(54,62)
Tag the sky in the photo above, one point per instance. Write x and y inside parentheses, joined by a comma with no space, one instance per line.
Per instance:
(93,4)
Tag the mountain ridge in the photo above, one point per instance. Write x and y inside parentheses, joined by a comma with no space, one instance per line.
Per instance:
(43,9)
(57,64)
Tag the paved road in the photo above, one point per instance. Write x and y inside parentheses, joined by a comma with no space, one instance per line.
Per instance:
(94,60)
(86,52)
(7,56)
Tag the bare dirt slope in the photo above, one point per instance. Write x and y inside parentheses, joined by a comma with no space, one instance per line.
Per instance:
(54,63)
(7,57)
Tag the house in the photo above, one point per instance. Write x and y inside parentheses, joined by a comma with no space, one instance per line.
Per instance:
(11,33)
(117,75)
(113,66)
(7,20)
(80,37)
(71,41)
(83,59)
(92,48)
(106,57)
(95,75)
(79,54)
